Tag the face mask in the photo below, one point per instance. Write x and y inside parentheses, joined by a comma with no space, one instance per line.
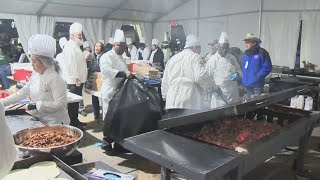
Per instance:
(78,41)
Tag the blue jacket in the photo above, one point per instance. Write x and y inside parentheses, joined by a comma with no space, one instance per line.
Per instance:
(256,65)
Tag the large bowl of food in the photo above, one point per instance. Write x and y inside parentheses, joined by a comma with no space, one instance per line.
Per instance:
(60,140)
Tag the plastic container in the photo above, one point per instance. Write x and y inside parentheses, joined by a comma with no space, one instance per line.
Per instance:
(293,102)
(4,95)
(21,74)
(308,104)
(300,102)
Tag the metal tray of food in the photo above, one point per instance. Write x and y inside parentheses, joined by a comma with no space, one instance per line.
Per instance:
(66,171)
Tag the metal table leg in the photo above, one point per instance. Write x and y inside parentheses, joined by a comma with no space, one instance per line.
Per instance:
(303,147)
(165,173)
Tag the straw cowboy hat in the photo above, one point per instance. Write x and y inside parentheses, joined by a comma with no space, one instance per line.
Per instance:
(252,37)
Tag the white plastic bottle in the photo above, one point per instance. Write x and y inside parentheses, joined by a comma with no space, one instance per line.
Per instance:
(293,102)
(308,103)
(300,102)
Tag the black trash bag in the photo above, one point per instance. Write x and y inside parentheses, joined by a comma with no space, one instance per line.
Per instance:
(134,109)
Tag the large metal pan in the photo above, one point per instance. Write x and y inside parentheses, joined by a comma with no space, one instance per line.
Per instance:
(60,151)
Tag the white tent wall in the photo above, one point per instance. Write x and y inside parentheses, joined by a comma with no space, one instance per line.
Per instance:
(92,29)
(211,8)
(280,22)
(47,25)
(279,35)
(210,29)
(27,25)
(186,11)
(310,37)
(159,30)
(239,26)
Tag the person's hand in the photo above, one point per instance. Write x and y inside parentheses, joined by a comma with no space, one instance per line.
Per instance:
(31,106)
(78,82)
(234,76)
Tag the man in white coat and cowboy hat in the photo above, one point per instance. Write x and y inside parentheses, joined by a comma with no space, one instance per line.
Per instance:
(224,70)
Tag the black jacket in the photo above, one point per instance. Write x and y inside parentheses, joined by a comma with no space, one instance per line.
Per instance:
(92,68)
(158,58)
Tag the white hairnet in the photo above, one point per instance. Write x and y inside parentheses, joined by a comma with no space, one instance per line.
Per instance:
(143,40)
(191,41)
(62,41)
(155,42)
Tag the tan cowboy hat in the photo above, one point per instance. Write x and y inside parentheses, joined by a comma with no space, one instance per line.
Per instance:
(251,36)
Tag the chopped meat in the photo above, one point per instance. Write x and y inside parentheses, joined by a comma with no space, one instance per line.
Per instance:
(48,139)
(234,133)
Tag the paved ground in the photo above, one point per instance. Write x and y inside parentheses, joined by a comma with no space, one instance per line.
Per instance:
(278,168)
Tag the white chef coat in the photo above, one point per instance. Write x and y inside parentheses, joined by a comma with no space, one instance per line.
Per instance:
(110,64)
(145,53)
(8,149)
(49,92)
(182,81)
(61,60)
(152,55)
(75,64)
(220,70)
(133,53)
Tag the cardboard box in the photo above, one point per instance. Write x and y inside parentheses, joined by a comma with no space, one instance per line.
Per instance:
(97,84)
(97,75)
(144,69)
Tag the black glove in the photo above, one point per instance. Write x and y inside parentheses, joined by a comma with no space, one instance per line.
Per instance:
(32,107)
(121,74)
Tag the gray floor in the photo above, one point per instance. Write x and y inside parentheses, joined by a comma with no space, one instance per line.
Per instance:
(277,168)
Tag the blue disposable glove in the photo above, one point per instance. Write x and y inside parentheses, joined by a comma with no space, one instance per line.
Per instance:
(234,76)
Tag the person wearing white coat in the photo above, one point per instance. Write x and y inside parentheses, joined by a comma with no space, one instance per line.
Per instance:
(60,57)
(183,79)
(224,70)
(131,50)
(113,68)
(143,52)
(8,149)
(75,70)
(46,89)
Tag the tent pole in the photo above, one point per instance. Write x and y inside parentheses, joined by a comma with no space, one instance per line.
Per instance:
(198,19)
(260,17)
(104,23)
(152,30)
(38,24)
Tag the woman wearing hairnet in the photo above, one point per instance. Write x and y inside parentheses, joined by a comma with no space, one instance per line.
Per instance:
(46,89)
(8,150)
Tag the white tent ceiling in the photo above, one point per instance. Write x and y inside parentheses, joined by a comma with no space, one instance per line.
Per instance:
(135,10)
